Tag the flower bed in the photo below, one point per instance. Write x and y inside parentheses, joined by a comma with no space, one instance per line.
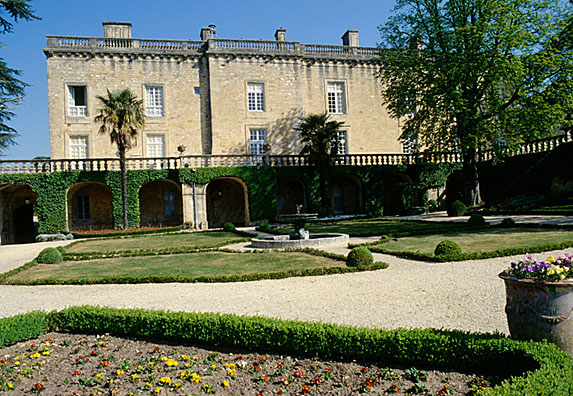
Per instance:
(552,269)
(69,364)
(534,368)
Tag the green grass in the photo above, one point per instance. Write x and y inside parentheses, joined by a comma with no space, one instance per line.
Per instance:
(185,265)
(186,239)
(481,240)
(376,227)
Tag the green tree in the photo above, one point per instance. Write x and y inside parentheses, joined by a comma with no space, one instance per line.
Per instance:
(11,88)
(121,116)
(319,139)
(472,74)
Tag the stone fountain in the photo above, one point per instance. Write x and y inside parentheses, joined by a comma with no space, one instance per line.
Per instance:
(299,237)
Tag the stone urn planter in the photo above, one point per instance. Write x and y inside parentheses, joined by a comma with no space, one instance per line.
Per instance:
(540,309)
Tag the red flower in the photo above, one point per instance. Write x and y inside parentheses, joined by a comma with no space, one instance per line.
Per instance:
(93,353)
(305,389)
(239,358)
(393,389)
(156,349)
(280,366)
(104,363)
(77,372)
(39,387)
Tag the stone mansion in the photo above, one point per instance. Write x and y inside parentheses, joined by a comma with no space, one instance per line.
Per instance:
(214,96)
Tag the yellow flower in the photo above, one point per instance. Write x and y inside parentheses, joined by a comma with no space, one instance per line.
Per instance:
(165,380)
(34,355)
(213,366)
(17,363)
(185,357)
(230,365)
(231,372)
(134,377)
(163,358)
(10,385)
(119,372)
(225,383)
(171,363)
(157,390)
(195,378)
(99,375)
(551,259)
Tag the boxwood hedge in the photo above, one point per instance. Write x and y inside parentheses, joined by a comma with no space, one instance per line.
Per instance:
(531,368)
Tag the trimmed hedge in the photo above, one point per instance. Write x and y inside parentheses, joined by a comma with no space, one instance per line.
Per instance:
(472,256)
(447,248)
(457,208)
(538,368)
(22,327)
(164,230)
(359,256)
(49,255)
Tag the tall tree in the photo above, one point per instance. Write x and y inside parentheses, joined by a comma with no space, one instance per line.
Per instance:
(469,74)
(122,116)
(319,139)
(11,88)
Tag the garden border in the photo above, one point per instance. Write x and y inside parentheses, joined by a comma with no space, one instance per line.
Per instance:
(537,367)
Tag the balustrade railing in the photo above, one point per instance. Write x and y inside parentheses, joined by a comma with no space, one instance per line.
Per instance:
(231,160)
(184,46)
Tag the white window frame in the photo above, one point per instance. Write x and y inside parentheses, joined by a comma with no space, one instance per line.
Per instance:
(79,146)
(336,97)
(75,110)
(154,103)
(257,143)
(342,142)
(151,148)
(256,97)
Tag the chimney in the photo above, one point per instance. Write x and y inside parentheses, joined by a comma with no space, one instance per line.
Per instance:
(280,34)
(208,32)
(116,29)
(350,38)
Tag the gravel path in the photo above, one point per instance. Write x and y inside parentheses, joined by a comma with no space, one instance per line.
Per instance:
(464,295)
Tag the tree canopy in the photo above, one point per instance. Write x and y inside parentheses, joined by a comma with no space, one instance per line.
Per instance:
(468,74)
(11,88)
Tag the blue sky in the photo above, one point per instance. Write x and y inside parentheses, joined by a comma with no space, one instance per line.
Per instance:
(321,22)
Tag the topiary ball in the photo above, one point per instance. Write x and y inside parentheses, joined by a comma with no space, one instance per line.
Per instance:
(457,209)
(359,256)
(49,255)
(447,248)
(263,226)
(230,227)
(476,220)
(509,222)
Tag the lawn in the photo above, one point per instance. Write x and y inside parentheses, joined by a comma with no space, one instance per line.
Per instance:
(481,240)
(187,239)
(374,227)
(184,265)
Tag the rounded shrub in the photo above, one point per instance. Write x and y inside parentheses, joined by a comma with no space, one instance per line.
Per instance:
(359,256)
(457,208)
(264,226)
(49,255)
(509,222)
(476,220)
(447,248)
(230,227)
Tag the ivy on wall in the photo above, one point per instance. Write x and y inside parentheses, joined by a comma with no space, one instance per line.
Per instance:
(261,182)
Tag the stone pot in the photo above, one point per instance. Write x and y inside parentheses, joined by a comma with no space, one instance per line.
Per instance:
(538,309)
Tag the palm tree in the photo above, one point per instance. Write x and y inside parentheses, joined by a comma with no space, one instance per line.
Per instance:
(121,116)
(319,138)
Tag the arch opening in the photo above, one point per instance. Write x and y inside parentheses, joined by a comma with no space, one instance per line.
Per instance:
(90,207)
(227,202)
(160,204)
(345,195)
(17,220)
(291,192)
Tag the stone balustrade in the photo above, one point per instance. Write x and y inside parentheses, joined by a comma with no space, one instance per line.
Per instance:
(183,47)
(209,161)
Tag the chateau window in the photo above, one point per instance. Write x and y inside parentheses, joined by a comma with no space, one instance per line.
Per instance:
(154,101)
(83,202)
(77,101)
(341,146)
(258,138)
(78,147)
(336,100)
(256,97)
(155,148)
(168,203)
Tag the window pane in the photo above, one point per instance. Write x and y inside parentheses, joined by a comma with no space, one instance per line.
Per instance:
(256,97)
(335,98)
(78,147)
(154,101)
(168,203)
(77,101)
(83,202)
(258,138)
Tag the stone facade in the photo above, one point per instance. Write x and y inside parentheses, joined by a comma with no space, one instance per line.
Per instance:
(203,93)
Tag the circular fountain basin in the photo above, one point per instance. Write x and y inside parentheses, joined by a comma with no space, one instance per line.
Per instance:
(283,241)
